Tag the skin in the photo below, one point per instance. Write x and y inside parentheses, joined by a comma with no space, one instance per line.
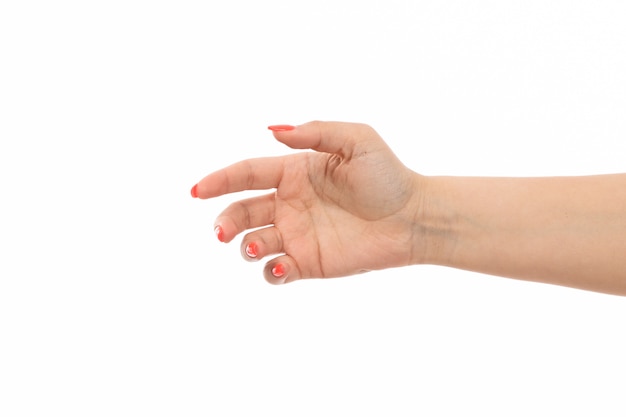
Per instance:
(352,206)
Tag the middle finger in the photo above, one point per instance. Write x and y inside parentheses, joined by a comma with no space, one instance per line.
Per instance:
(246,214)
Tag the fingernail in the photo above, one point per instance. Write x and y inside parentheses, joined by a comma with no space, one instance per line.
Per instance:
(252,250)
(278,270)
(281,128)
(219,232)
(194,191)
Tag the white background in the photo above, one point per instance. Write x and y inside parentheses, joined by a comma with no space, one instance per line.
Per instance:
(115,296)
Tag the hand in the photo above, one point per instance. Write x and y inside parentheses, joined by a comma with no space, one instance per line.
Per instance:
(349,207)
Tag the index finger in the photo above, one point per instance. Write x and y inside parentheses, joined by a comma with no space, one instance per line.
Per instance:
(249,174)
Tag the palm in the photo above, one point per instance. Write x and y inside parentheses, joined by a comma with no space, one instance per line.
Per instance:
(338,216)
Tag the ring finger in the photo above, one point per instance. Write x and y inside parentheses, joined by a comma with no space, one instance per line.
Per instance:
(260,243)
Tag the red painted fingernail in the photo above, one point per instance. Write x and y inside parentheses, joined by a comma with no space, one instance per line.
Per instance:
(252,250)
(281,128)
(219,232)
(194,191)
(278,270)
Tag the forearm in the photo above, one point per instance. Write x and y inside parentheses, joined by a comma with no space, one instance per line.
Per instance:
(568,231)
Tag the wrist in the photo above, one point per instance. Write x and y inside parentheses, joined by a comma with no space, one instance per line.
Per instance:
(433,225)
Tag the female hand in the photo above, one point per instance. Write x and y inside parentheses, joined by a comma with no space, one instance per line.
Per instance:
(352,206)
(349,207)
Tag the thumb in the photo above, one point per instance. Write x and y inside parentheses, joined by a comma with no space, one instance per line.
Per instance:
(338,138)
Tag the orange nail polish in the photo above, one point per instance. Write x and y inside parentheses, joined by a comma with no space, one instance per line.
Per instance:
(278,270)
(219,232)
(281,128)
(194,191)
(252,250)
